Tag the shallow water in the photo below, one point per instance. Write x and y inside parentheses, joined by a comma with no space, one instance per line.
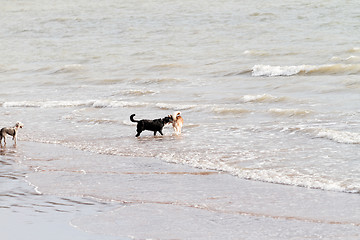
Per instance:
(138,198)
(269,91)
(35,215)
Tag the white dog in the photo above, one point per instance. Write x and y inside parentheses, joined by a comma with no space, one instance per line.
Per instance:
(178,122)
(12,131)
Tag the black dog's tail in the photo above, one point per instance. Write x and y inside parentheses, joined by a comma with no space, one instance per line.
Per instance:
(132,118)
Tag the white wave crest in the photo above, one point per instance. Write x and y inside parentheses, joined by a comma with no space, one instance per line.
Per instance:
(115,104)
(78,103)
(290,112)
(350,59)
(255,53)
(354,50)
(339,136)
(168,106)
(261,98)
(71,68)
(139,92)
(329,69)
(278,176)
(48,104)
(230,111)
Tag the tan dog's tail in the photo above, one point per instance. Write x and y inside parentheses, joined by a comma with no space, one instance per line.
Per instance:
(175,115)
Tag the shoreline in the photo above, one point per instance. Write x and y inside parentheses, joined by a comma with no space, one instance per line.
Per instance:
(27,214)
(146,190)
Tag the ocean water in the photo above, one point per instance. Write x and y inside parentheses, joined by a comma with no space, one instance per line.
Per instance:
(269,90)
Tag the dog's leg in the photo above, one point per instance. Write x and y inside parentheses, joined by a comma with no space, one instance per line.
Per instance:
(139,128)
(155,133)
(161,132)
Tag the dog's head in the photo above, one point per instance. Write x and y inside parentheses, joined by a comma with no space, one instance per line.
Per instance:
(19,125)
(168,119)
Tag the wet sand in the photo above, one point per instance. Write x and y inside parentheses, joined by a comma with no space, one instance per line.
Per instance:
(26,214)
(147,198)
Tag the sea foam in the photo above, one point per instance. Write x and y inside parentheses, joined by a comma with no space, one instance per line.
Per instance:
(99,103)
(290,112)
(339,136)
(328,69)
(261,98)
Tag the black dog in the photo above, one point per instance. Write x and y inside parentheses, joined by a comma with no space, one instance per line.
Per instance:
(155,125)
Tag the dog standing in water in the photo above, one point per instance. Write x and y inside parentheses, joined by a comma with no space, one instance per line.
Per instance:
(155,125)
(12,131)
(177,122)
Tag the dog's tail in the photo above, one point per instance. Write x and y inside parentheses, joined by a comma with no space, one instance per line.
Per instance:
(175,115)
(132,118)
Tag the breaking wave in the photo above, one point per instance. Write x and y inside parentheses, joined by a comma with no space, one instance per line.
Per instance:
(71,68)
(261,98)
(75,103)
(99,103)
(350,59)
(290,112)
(339,136)
(328,69)
(230,111)
(169,106)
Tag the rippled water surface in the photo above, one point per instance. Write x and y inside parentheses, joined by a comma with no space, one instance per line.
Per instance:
(269,91)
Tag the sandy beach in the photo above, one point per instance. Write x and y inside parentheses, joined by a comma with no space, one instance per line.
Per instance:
(26,214)
(151,199)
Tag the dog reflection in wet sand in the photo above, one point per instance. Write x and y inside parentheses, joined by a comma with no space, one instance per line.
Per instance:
(12,131)
(155,125)
(177,122)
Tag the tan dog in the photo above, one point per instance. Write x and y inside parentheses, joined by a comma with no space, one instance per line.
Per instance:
(177,122)
(12,131)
